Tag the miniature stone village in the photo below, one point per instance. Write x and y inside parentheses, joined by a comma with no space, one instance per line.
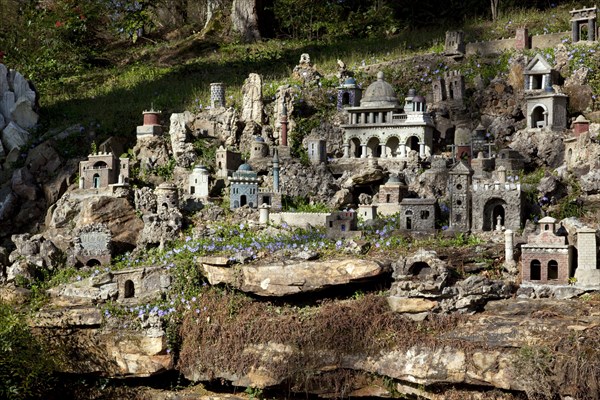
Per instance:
(379,145)
(421,158)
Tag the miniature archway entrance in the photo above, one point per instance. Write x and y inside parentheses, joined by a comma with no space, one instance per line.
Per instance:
(92,262)
(408,219)
(539,117)
(392,146)
(373,148)
(355,148)
(96,181)
(494,212)
(413,143)
(552,270)
(243,200)
(420,269)
(129,288)
(345,98)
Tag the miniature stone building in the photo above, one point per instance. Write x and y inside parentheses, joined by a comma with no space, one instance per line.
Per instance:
(316,149)
(103,169)
(462,144)
(545,108)
(580,125)
(482,166)
(546,258)
(167,196)
(454,46)
(367,212)
(390,195)
(348,94)
(451,87)
(260,149)
(583,24)
(380,128)
(198,181)
(522,41)
(342,224)
(417,215)
(587,272)
(151,126)
(511,160)
(496,206)
(217,94)
(139,284)
(227,162)
(92,245)
(244,188)
(459,186)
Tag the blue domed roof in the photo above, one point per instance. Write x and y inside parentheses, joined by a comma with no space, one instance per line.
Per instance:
(259,139)
(245,167)
(350,81)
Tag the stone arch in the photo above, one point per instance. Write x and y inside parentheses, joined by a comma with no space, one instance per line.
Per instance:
(535,270)
(373,147)
(421,269)
(408,218)
(355,147)
(412,143)
(345,98)
(100,164)
(493,208)
(539,116)
(569,156)
(392,144)
(96,181)
(552,270)
(92,262)
(129,289)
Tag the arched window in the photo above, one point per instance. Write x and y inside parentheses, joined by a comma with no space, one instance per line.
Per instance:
(535,270)
(552,270)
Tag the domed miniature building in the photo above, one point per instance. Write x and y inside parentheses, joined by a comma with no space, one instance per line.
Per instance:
(244,187)
(381,128)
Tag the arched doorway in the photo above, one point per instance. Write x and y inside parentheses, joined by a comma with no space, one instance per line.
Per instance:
(392,146)
(92,262)
(413,143)
(96,181)
(408,219)
(129,289)
(355,148)
(243,200)
(538,117)
(493,209)
(535,270)
(345,98)
(373,148)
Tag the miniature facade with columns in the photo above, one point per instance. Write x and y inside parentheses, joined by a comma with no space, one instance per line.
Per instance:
(379,127)
(583,24)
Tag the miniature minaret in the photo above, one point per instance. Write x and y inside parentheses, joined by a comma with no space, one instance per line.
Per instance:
(284,124)
(276,170)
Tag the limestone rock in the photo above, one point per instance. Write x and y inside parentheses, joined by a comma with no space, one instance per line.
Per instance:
(43,160)
(252,105)
(23,185)
(14,137)
(23,115)
(3,80)
(183,151)
(23,91)
(542,147)
(286,279)
(7,102)
(341,198)
(2,125)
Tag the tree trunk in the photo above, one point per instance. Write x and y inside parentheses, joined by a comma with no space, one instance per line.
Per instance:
(494,7)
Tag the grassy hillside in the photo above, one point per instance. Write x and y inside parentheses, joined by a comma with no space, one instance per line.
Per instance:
(173,76)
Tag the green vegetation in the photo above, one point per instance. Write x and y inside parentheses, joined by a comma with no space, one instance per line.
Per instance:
(301,204)
(25,365)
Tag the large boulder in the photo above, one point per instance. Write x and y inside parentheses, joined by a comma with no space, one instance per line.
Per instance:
(14,137)
(183,151)
(291,278)
(23,115)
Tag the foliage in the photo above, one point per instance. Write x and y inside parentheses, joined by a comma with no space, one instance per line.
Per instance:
(166,171)
(302,204)
(25,365)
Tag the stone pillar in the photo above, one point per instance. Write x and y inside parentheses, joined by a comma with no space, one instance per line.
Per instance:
(421,149)
(402,152)
(509,248)
(353,118)
(276,171)
(575,32)
(591,30)
(383,151)
(346,150)
(586,249)
(263,214)
(501,174)
(363,151)
(217,94)
(81,182)
(284,125)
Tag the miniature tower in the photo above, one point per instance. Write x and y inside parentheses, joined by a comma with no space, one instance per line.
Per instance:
(260,148)
(460,197)
(581,125)
(151,126)
(217,94)
(167,196)
(349,94)
(587,272)
(283,119)
(275,171)
(198,181)
(317,150)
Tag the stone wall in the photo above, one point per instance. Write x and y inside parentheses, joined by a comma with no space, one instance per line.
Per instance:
(301,220)
(498,46)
